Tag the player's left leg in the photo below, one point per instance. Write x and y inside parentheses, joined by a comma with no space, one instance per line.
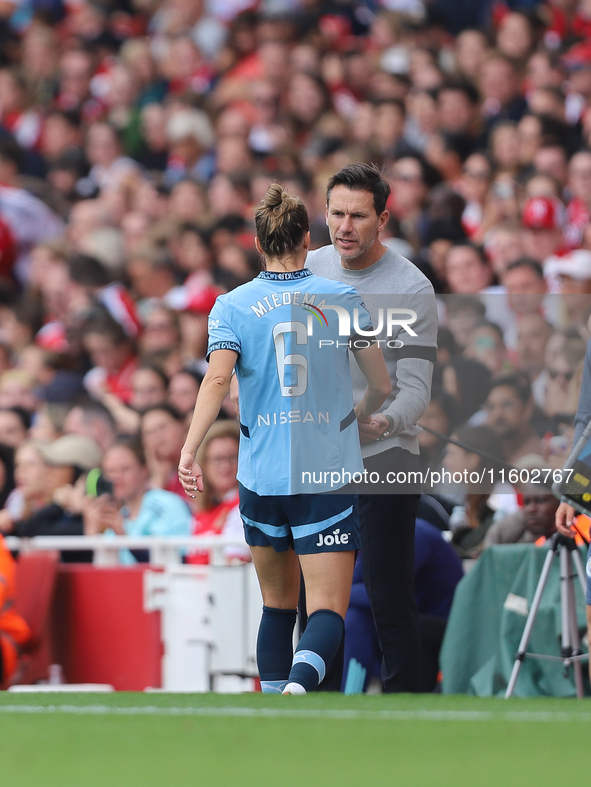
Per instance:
(268,535)
(326,534)
(279,578)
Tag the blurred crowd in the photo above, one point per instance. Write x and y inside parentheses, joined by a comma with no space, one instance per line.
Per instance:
(135,138)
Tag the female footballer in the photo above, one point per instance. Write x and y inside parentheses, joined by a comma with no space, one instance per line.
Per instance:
(288,334)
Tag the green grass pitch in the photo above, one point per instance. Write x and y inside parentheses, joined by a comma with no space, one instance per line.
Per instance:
(157,740)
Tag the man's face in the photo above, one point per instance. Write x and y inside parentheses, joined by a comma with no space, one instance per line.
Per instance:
(162,434)
(539,512)
(353,223)
(580,176)
(552,161)
(580,81)
(465,271)
(568,285)
(532,336)
(523,281)
(498,81)
(540,244)
(455,111)
(506,411)
(506,247)
(525,290)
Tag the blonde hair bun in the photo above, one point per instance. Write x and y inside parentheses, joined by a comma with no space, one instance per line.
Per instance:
(281,221)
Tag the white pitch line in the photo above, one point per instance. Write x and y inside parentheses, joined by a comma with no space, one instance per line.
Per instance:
(292,713)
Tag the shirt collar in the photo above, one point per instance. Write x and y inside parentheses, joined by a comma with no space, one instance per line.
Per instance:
(286,276)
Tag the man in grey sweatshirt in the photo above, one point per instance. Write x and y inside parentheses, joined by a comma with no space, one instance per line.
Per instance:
(402,305)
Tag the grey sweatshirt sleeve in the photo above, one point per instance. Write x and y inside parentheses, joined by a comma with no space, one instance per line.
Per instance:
(583,415)
(411,366)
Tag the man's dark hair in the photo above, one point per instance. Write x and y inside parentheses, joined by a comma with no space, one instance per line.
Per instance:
(165,407)
(445,229)
(475,248)
(447,405)
(117,133)
(194,373)
(195,229)
(10,151)
(430,175)
(133,444)
(231,223)
(460,144)
(93,410)
(98,320)
(362,177)
(157,370)
(87,271)
(390,102)
(493,327)
(156,257)
(554,130)
(71,116)
(481,438)
(518,382)
(526,262)
(460,86)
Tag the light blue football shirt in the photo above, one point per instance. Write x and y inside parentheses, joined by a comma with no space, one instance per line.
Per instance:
(291,331)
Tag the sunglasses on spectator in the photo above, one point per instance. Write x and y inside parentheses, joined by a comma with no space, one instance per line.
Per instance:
(568,376)
(477,174)
(508,404)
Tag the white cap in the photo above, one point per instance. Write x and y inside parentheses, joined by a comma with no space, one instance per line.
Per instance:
(190,123)
(576,265)
(72,449)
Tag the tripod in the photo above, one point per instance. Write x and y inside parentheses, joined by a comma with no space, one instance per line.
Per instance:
(571,652)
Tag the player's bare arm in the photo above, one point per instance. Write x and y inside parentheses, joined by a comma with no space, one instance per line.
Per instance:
(213,391)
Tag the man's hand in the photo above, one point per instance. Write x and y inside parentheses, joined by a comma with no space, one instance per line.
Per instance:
(564,520)
(371,429)
(100,514)
(190,474)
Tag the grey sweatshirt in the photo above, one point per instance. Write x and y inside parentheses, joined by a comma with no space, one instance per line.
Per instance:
(393,282)
(583,415)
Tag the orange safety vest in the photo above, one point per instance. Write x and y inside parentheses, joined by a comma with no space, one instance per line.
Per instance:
(14,630)
(583,524)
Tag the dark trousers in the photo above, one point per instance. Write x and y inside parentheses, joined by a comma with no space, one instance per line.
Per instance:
(388,546)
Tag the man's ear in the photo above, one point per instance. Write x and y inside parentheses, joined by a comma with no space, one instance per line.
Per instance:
(257,244)
(307,241)
(383,220)
(326,214)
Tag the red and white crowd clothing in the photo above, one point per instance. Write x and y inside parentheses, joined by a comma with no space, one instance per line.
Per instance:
(221,520)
